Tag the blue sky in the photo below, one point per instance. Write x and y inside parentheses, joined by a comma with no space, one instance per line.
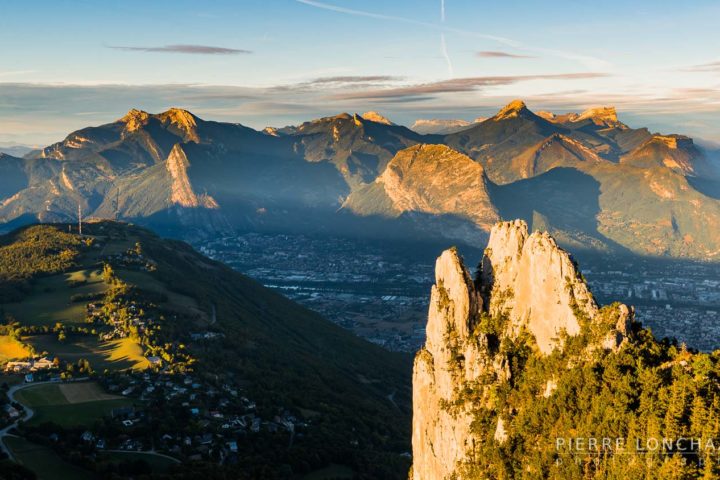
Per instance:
(69,64)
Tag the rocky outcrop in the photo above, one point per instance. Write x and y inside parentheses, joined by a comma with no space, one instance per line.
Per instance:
(601,116)
(377,118)
(535,284)
(429,179)
(181,191)
(182,120)
(441,437)
(526,284)
(135,119)
(675,152)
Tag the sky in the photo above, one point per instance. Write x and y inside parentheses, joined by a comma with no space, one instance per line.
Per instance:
(67,64)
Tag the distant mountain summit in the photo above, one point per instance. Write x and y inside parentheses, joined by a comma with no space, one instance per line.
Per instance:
(376,117)
(587,177)
(600,116)
(359,147)
(429,180)
(442,126)
(514,109)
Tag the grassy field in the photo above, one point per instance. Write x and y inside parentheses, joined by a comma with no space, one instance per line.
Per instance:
(114,355)
(46,464)
(50,299)
(147,282)
(11,349)
(158,463)
(69,404)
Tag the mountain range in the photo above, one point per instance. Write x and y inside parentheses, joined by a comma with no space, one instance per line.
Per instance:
(593,181)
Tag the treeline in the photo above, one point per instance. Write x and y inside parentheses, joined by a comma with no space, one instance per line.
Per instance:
(33,251)
(649,390)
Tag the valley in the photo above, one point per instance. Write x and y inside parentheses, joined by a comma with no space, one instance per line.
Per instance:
(378,290)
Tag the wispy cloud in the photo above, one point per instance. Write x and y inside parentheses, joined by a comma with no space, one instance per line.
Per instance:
(591,62)
(15,72)
(185,49)
(337,82)
(704,67)
(354,79)
(43,113)
(498,54)
(459,85)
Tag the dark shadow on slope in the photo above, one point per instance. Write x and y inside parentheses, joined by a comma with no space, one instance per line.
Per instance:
(708,187)
(21,221)
(560,200)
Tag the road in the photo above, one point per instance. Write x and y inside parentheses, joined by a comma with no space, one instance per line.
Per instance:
(27,416)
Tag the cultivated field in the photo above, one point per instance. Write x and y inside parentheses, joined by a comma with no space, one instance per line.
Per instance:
(84,392)
(69,404)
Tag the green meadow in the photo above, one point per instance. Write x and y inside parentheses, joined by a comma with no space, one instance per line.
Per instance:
(118,354)
(51,298)
(69,404)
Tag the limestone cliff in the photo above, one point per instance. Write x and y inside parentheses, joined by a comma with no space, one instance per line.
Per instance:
(430,180)
(528,291)
(181,192)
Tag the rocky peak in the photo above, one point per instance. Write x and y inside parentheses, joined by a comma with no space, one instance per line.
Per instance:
(511,110)
(357,120)
(376,117)
(439,180)
(672,141)
(549,116)
(455,298)
(135,119)
(441,437)
(181,190)
(182,120)
(535,283)
(602,116)
(526,283)
(338,117)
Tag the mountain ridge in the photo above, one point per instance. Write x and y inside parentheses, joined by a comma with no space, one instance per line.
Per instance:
(310,175)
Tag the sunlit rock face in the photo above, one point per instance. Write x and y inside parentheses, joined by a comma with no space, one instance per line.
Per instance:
(535,283)
(533,286)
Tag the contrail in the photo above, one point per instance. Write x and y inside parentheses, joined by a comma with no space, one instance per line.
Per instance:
(443,45)
(587,60)
(443,48)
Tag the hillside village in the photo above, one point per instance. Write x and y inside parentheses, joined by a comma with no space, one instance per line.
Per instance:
(218,414)
(114,361)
